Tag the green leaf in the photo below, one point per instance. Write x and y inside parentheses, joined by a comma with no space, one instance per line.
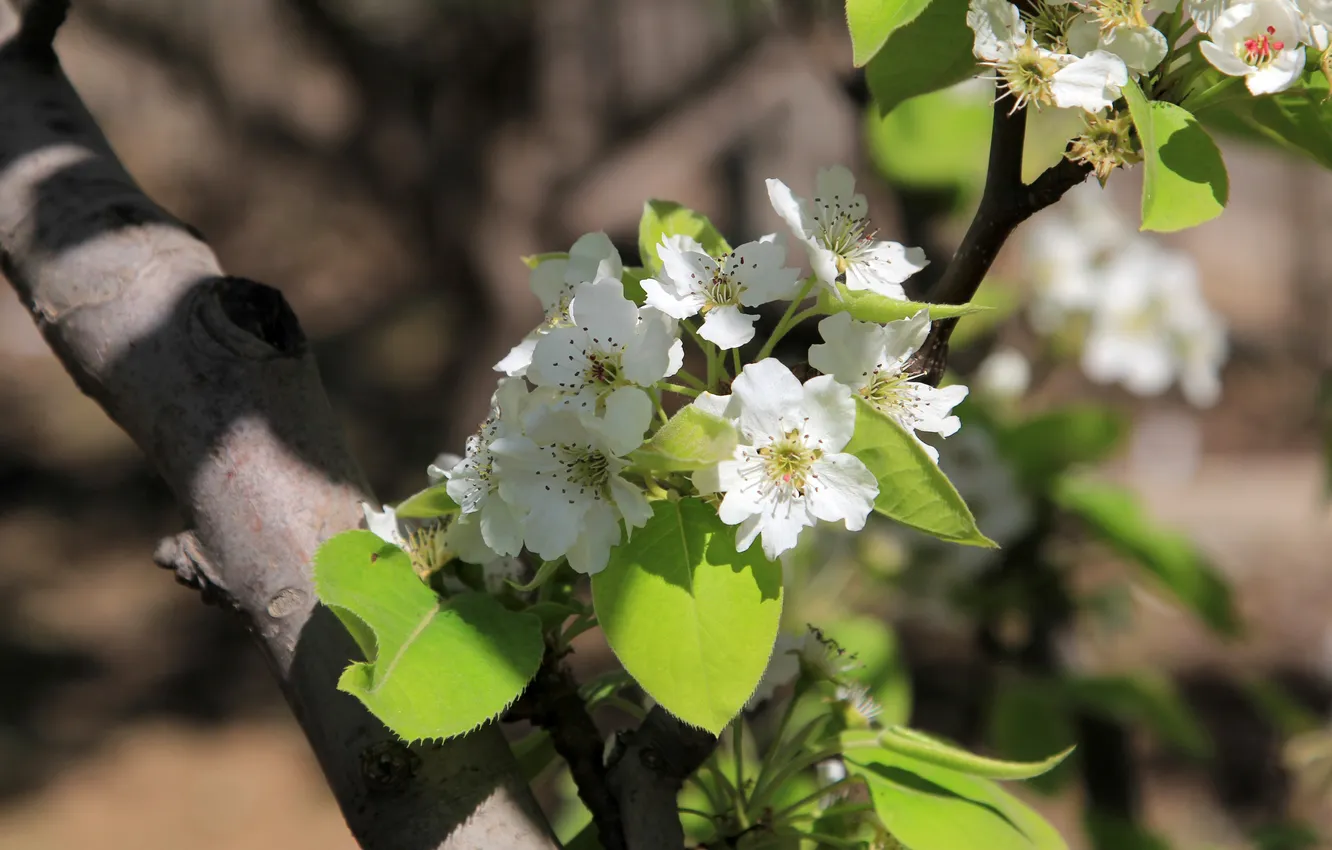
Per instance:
(1296,120)
(1114,515)
(1184,179)
(632,280)
(1047,444)
(435,667)
(928,807)
(534,260)
(932,52)
(691,619)
(1147,700)
(872,21)
(691,439)
(935,141)
(909,742)
(882,670)
(872,307)
(912,489)
(1028,720)
(429,503)
(667,218)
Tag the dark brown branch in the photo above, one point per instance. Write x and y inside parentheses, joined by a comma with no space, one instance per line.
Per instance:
(553,703)
(1005,203)
(212,377)
(647,770)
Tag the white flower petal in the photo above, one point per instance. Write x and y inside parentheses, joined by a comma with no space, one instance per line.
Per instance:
(767,394)
(835,187)
(502,526)
(593,257)
(1093,82)
(790,209)
(668,301)
(1278,76)
(844,490)
(830,413)
(631,503)
(384,525)
(1224,61)
(1141,48)
(628,415)
(590,553)
(647,356)
(548,283)
(519,358)
(601,310)
(726,327)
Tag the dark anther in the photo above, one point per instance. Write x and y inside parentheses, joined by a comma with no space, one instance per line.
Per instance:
(262,312)
(388,766)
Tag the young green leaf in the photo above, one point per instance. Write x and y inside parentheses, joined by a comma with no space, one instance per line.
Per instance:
(435,667)
(930,53)
(691,619)
(1114,515)
(632,280)
(691,439)
(1297,119)
(912,489)
(918,745)
(928,807)
(667,218)
(1029,719)
(872,307)
(429,503)
(872,21)
(1184,178)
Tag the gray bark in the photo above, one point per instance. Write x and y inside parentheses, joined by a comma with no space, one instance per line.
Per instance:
(213,379)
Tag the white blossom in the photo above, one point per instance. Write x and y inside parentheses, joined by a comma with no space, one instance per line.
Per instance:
(835,230)
(612,346)
(565,474)
(431,543)
(472,482)
(1152,327)
(1141,47)
(694,282)
(1035,74)
(790,471)
(1260,41)
(869,359)
(1005,373)
(1068,249)
(1318,17)
(553,281)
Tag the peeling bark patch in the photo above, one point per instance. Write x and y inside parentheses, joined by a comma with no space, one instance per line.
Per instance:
(287,601)
(262,312)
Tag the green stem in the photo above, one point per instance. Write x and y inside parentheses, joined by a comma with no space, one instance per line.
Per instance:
(738,747)
(655,394)
(718,804)
(766,764)
(735,358)
(677,389)
(695,812)
(727,787)
(690,380)
(784,324)
(809,798)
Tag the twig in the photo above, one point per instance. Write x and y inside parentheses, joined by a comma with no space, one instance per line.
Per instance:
(552,702)
(647,770)
(1005,203)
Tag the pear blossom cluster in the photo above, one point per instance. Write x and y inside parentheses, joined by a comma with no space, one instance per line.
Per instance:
(559,468)
(1138,304)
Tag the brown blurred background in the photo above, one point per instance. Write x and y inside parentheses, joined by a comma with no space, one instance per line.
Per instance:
(385,163)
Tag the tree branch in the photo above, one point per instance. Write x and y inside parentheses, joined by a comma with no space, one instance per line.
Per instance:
(1005,203)
(647,770)
(552,702)
(212,377)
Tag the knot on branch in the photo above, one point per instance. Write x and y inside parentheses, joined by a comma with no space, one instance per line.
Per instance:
(251,320)
(183,555)
(388,766)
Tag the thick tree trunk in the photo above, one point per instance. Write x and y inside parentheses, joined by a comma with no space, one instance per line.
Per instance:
(212,377)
